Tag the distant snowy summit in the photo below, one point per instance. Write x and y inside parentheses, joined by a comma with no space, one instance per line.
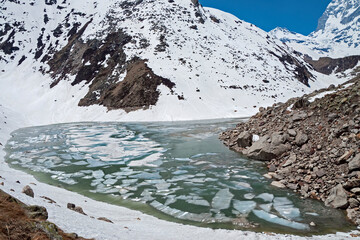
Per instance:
(337,34)
(141,60)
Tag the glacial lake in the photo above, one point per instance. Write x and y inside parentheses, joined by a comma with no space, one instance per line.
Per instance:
(179,172)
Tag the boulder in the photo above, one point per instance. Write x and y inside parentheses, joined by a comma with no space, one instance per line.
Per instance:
(28,191)
(301,139)
(244,139)
(337,197)
(354,164)
(264,150)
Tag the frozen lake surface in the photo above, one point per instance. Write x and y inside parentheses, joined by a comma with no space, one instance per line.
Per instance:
(176,171)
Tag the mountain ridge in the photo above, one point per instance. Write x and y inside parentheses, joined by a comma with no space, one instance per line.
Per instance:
(218,65)
(336,35)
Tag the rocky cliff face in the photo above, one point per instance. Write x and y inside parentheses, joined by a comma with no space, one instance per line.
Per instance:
(336,36)
(188,54)
(311,145)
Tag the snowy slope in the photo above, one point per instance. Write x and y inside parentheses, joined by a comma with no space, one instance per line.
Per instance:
(207,63)
(336,36)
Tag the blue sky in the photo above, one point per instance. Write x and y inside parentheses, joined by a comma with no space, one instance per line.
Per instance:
(296,15)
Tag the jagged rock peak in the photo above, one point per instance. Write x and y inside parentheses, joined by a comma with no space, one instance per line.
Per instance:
(344,10)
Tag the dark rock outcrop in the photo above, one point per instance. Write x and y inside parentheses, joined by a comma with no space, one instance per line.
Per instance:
(328,65)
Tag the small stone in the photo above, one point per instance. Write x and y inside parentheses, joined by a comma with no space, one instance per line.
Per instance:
(278,184)
(291,132)
(355,191)
(290,161)
(312,224)
(354,164)
(70,206)
(79,210)
(301,139)
(272,168)
(268,176)
(28,191)
(105,219)
(353,183)
(353,203)
(320,173)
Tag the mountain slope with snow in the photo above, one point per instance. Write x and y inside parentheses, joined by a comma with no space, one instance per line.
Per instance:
(336,36)
(154,60)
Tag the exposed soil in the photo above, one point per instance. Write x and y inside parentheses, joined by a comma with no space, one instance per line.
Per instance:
(21,222)
(312,148)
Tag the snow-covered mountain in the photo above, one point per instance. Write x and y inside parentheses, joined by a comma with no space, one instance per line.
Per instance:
(337,34)
(152,59)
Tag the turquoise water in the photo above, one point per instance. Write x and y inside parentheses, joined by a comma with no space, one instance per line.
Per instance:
(176,171)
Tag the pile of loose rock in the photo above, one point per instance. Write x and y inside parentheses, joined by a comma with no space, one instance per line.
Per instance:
(312,147)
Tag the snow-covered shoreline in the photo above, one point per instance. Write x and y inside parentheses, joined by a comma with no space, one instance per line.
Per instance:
(128,224)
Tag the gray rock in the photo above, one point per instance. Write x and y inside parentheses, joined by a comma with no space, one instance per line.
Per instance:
(320,173)
(264,150)
(353,183)
(291,160)
(353,203)
(75,208)
(354,164)
(353,215)
(301,103)
(356,191)
(337,197)
(28,191)
(278,184)
(298,116)
(301,139)
(245,139)
(278,138)
(291,132)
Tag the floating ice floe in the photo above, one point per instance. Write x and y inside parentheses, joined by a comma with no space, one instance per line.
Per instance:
(222,199)
(244,207)
(203,217)
(266,207)
(286,208)
(267,197)
(249,196)
(146,175)
(98,174)
(281,221)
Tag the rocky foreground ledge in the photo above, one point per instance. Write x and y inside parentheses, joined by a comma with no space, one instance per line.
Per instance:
(311,146)
(19,221)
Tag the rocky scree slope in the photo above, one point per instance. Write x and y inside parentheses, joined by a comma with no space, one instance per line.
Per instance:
(311,145)
(130,54)
(336,36)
